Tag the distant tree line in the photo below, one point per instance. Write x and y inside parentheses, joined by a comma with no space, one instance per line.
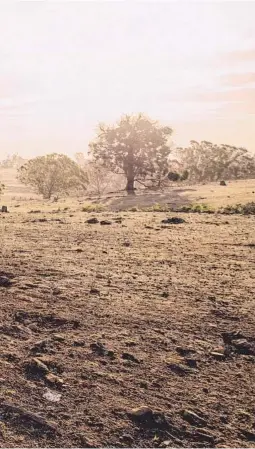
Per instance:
(207,162)
(135,151)
(12,161)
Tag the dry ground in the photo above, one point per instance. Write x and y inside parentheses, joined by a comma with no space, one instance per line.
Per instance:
(126,315)
(212,194)
(100,319)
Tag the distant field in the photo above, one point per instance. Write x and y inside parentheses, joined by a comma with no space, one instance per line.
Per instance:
(211,194)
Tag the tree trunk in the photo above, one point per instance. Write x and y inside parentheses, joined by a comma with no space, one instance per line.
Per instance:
(130,187)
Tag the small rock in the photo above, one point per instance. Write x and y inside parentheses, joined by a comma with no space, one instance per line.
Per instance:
(5,281)
(173,220)
(242,346)
(130,343)
(223,183)
(100,349)
(52,396)
(79,343)
(40,220)
(4,209)
(94,291)
(105,222)
(118,219)
(180,369)
(142,413)
(130,357)
(192,363)
(93,220)
(58,337)
(127,243)
(193,418)
(248,434)
(56,291)
(54,380)
(184,351)
(165,295)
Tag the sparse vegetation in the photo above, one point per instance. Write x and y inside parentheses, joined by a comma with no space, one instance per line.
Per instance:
(243,209)
(157,208)
(93,207)
(53,174)
(100,179)
(197,208)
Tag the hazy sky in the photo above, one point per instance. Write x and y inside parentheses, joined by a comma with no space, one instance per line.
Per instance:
(67,65)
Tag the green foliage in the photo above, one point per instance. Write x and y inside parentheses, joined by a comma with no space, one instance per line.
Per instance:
(197,208)
(90,207)
(244,209)
(53,174)
(136,146)
(206,162)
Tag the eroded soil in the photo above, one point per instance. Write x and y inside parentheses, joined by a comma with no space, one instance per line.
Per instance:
(100,319)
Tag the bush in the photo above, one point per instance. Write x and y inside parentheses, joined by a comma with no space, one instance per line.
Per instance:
(197,208)
(243,209)
(90,207)
(53,174)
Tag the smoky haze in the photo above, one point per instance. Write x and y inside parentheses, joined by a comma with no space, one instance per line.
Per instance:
(67,66)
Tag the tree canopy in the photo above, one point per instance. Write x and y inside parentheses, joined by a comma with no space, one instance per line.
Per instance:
(135,146)
(206,161)
(53,174)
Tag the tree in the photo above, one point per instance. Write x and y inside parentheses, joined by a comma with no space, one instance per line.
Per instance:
(136,147)
(100,178)
(206,161)
(53,174)
(2,187)
(12,161)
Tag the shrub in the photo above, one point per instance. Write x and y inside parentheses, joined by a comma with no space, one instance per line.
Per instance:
(244,209)
(90,207)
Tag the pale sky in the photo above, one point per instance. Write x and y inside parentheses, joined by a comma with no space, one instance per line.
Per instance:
(65,66)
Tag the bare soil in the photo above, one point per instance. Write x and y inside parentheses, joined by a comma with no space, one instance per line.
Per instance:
(102,319)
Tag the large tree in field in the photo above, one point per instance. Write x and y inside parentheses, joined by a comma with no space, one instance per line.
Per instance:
(136,146)
(53,174)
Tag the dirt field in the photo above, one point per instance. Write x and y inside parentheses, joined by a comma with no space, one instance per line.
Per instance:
(100,319)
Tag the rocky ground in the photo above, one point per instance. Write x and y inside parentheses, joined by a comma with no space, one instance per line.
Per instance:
(129,333)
